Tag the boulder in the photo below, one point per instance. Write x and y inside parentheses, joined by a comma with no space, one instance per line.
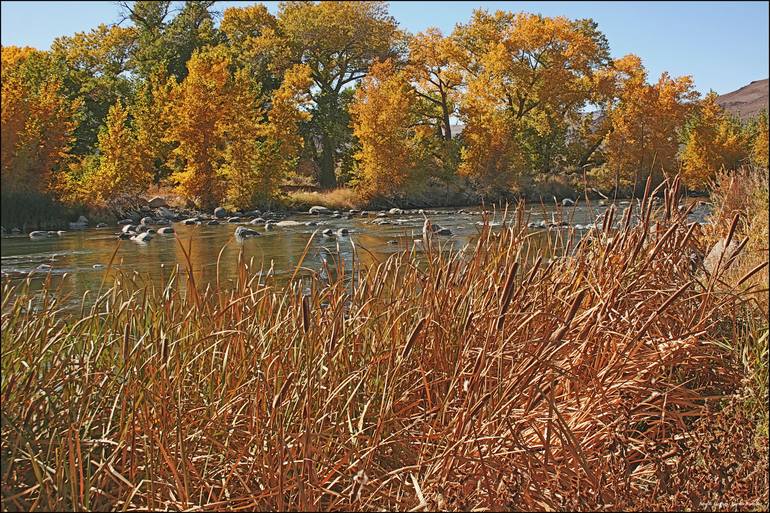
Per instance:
(342,232)
(162,222)
(567,202)
(395,211)
(234,219)
(258,220)
(126,221)
(158,202)
(220,213)
(319,210)
(269,226)
(717,251)
(443,231)
(82,220)
(101,225)
(284,224)
(166,230)
(244,233)
(141,228)
(212,222)
(328,232)
(192,220)
(128,228)
(166,213)
(125,236)
(38,235)
(147,221)
(311,223)
(142,237)
(78,226)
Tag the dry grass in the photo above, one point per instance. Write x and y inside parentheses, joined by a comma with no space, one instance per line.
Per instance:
(485,379)
(342,198)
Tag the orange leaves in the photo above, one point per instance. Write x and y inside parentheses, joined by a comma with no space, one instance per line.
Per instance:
(37,121)
(713,141)
(383,119)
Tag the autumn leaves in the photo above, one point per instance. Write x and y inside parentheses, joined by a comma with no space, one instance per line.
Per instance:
(226,114)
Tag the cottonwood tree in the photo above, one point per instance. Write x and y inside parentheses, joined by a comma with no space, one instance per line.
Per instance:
(338,41)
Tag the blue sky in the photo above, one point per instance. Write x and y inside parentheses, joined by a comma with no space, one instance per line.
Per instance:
(723,45)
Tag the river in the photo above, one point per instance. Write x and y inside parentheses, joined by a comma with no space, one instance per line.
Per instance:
(82,257)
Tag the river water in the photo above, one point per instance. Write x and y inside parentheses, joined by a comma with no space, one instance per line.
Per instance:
(78,260)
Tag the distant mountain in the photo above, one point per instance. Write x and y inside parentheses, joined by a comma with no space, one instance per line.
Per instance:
(747,101)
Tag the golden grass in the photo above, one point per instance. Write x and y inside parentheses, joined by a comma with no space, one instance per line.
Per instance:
(342,198)
(483,379)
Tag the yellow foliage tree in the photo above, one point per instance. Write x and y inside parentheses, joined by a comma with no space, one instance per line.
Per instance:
(713,141)
(759,149)
(258,159)
(124,163)
(198,116)
(390,132)
(646,120)
(38,121)
(528,76)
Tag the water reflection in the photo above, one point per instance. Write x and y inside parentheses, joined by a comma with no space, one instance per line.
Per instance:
(85,255)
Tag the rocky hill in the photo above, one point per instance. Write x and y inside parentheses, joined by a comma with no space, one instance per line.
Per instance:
(747,101)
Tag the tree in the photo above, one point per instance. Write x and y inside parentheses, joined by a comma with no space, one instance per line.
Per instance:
(759,148)
(713,141)
(646,121)
(436,78)
(124,164)
(151,124)
(260,155)
(389,130)
(338,41)
(197,116)
(528,78)
(95,69)
(38,120)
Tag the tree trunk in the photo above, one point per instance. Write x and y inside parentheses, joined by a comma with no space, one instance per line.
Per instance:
(445,112)
(326,174)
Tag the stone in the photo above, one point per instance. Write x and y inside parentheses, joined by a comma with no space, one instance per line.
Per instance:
(16,230)
(166,230)
(311,223)
(336,215)
(142,237)
(567,202)
(125,222)
(258,220)
(395,211)
(78,226)
(147,221)
(242,232)
(717,251)
(166,213)
(82,220)
(125,236)
(443,231)
(162,222)
(212,222)
(101,225)
(318,209)
(128,228)
(269,226)
(38,235)
(141,228)
(328,232)
(220,213)
(284,224)
(234,219)
(342,231)
(158,202)
(192,220)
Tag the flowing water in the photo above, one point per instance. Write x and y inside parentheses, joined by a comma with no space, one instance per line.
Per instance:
(82,258)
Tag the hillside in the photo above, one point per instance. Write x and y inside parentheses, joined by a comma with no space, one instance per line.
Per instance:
(748,100)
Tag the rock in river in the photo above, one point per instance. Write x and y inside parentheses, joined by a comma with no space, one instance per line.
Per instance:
(166,230)
(220,212)
(243,233)
(318,209)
